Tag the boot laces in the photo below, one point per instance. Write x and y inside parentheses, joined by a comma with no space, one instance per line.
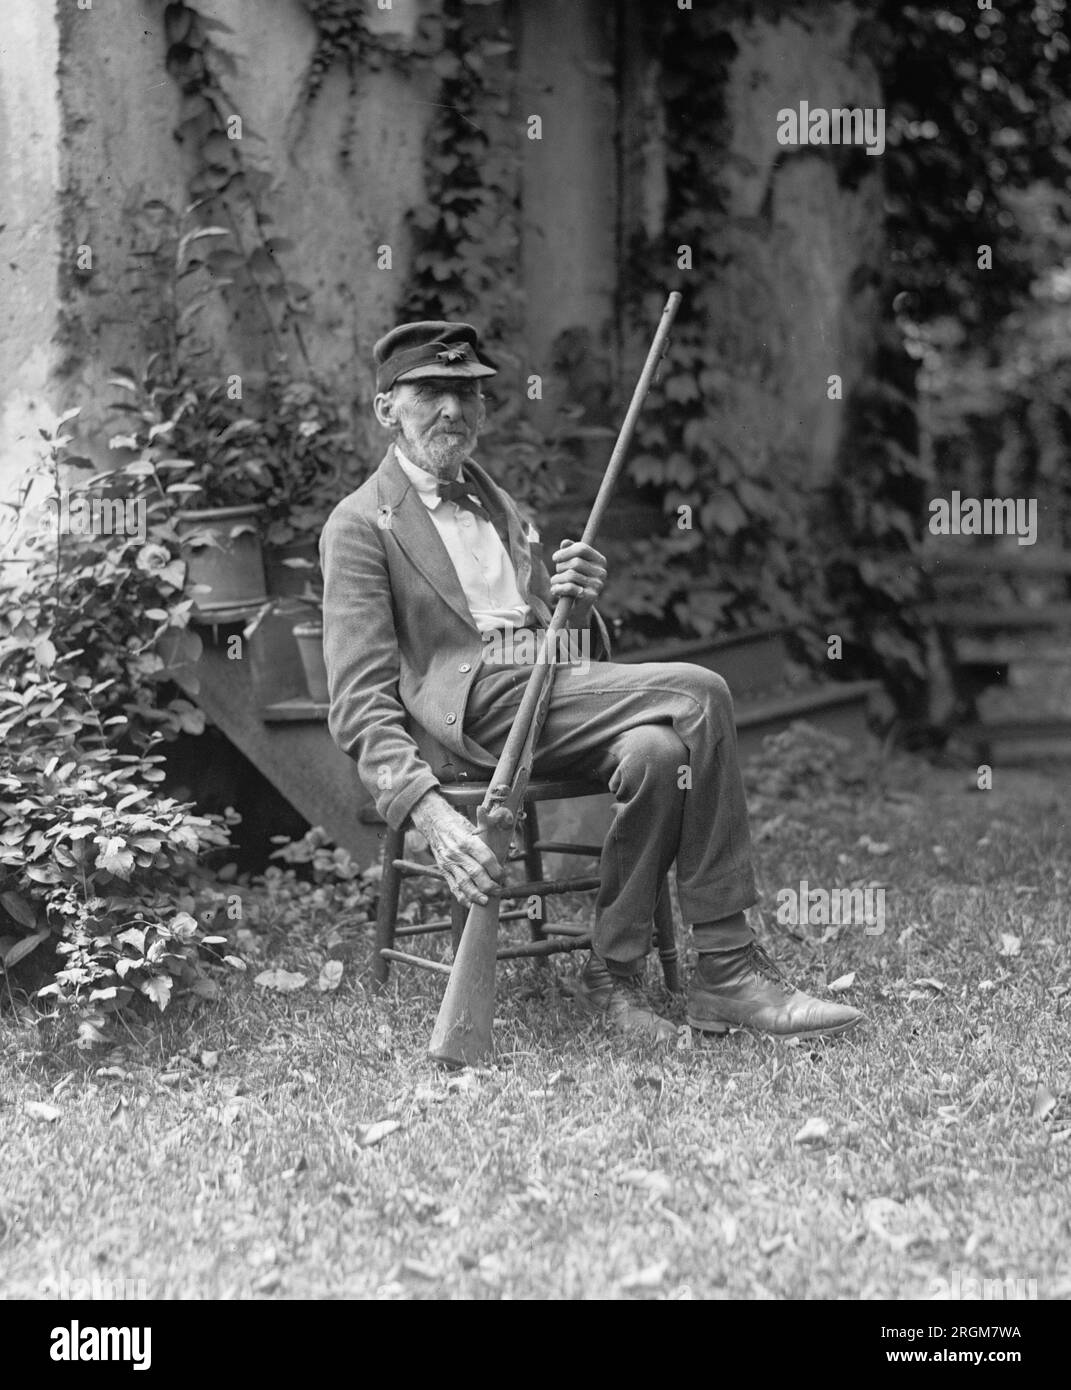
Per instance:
(764,964)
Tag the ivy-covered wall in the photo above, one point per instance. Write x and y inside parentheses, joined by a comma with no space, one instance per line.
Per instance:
(548,169)
(342,166)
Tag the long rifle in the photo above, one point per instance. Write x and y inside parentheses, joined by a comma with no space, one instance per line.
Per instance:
(462,1034)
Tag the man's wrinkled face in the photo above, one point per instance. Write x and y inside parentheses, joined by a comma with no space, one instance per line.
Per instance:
(436,421)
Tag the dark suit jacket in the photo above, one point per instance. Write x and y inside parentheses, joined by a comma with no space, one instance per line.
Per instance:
(400,640)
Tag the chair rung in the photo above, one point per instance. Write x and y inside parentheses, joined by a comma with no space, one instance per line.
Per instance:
(444,923)
(545,948)
(566,928)
(412,867)
(544,888)
(530,948)
(420,961)
(423,928)
(565,847)
(540,789)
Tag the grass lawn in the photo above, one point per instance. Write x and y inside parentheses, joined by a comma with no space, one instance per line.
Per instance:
(219,1153)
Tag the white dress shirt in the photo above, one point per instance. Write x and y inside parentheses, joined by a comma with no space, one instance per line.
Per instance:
(484,568)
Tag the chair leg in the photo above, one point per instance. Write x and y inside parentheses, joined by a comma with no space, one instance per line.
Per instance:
(533,868)
(390,887)
(666,937)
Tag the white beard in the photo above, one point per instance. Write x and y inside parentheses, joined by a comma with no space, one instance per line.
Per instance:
(442,455)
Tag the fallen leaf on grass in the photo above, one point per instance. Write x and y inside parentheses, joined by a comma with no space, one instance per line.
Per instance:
(449,1217)
(464,1081)
(928,982)
(768,828)
(267,1282)
(879,1214)
(419,1269)
(1009,945)
(656,1183)
(209,1060)
(330,976)
(367,1135)
(41,1110)
(282,981)
(900,1226)
(647,1278)
(815,1131)
(842,983)
(730,1229)
(490,1270)
(873,846)
(89,1035)
(1044,1103)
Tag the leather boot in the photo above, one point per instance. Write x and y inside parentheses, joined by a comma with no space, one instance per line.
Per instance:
(747,989)
(620,1000)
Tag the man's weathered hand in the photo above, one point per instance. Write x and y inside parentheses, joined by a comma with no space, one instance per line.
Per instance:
(581,572)
(471,869)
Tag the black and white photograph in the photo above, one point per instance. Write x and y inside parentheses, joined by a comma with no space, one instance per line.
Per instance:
(535,668)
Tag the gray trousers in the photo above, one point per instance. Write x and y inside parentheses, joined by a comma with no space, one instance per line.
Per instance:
(664,738)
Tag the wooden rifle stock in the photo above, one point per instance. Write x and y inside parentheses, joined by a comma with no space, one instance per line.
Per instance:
(462,1033)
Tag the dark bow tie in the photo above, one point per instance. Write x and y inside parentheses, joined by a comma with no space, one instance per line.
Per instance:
(461,493)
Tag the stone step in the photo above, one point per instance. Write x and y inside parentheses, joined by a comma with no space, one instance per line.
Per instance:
(985,560)
(983,617)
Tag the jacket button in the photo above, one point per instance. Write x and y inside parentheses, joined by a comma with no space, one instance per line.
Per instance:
(451,718)
(464,666)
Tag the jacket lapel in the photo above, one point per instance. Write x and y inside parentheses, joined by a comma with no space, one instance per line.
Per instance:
(417,535)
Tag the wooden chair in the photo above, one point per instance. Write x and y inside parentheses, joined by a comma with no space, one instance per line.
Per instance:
(547,938)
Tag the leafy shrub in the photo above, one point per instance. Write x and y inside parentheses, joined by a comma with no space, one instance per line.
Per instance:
(91,855)
(316,896)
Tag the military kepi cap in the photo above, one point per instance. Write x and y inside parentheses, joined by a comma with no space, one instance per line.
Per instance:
(429,348)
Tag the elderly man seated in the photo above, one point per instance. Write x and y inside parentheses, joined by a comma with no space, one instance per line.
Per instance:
(427,566)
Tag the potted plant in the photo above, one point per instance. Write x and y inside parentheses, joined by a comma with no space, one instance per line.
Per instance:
(309,632)
(200,450)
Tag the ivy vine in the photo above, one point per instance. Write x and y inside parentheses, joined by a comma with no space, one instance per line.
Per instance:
(754,548)
(225,186)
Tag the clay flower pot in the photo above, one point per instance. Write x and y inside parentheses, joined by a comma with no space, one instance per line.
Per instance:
(222,549)
(310,639)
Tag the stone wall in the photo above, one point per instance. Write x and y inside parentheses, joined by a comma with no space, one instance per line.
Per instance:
(89,113)
(806,243)
(29,237)
(120,110)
